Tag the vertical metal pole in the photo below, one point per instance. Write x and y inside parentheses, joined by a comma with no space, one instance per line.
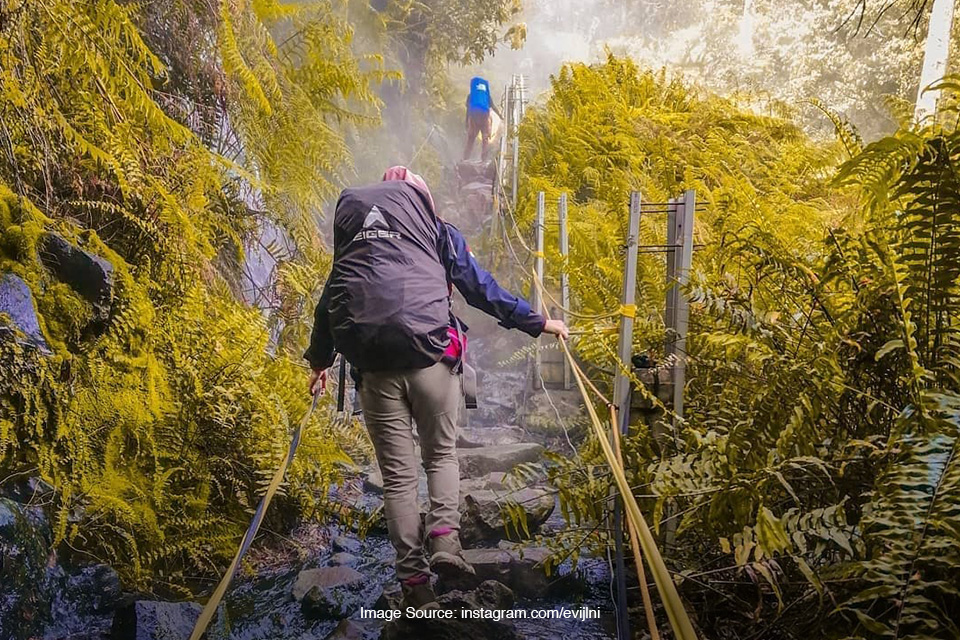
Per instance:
(517,114)
(621,395)
(564,278)
(674,213)
(628,299)
(538,283)
(669,313)
(679,234)
(685,258)
(523,95)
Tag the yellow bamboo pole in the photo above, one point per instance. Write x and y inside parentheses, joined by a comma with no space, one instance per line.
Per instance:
(634,544)
(676,613)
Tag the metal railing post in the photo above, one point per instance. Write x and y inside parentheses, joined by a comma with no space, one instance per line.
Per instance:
(564,278)
(538,302)
(621,395)
(684,261)
(516,114)
(627,301)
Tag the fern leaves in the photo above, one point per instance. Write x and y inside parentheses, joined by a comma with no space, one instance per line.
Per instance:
(118,120)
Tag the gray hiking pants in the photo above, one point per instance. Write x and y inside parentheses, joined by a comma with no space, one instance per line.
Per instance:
(390,400)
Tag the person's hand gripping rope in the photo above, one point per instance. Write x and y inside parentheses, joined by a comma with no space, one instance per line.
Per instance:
(318,381)
(556,328)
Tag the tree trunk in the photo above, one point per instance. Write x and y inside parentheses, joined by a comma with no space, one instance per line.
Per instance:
(935,57)
(745,35)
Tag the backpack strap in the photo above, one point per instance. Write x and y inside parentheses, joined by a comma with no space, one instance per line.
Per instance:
(458,366)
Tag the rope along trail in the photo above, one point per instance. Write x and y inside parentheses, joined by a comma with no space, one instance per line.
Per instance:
(211,608)
(637,526)
(639,531)
(679,620)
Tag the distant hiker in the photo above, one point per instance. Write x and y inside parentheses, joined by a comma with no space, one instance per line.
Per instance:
(387,308)
(478,119)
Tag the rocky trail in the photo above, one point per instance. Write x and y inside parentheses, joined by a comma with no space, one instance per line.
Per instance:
(316,584)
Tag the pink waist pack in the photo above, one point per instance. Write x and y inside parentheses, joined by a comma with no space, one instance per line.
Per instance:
(455,349)
(456,352)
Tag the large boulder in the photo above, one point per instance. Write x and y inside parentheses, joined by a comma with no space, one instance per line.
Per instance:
(149,620)
(489,594)
(496,481)
(88,274)
(27,489)
(483,460)
(522,570)
(476,171)
(325,577)
(346,544)
(16,301)
(328,593)
(475,437)
(329,603)
(488,515)
(84,602)
(344,559)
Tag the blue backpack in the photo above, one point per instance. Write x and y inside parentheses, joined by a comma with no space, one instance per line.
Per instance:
(479,99)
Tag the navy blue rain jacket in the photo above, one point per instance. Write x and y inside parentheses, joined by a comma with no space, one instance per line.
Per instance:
(475,284)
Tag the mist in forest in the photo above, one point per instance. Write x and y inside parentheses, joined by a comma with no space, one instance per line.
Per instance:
(774,56)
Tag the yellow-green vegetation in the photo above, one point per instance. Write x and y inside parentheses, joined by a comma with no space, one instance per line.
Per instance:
(168,138)
(812,487)
(160,136)
(608,129)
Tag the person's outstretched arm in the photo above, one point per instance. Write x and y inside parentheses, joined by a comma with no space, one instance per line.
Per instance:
(320,354)
(481,290)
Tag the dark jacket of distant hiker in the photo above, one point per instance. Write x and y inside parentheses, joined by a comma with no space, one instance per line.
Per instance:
(386,305)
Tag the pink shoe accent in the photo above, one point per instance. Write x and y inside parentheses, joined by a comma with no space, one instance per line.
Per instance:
(441,531)
(420,578)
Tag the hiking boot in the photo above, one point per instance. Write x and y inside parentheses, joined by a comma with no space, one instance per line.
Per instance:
(446,556)
(418,593)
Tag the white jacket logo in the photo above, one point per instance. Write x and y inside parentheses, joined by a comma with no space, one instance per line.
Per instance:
(375,219)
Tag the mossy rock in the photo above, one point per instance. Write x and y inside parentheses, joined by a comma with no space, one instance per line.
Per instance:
(18,316)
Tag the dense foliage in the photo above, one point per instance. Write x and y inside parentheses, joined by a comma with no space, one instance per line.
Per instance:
(812,486)
(193,144)
(162,137)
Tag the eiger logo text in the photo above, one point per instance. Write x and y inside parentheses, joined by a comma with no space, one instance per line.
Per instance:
(375,218)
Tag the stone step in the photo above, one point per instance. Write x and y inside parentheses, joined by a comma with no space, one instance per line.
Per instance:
(496,481)
(328,593)
(486,513)
(324,577)
(523,570)
(483,460)
(476,437)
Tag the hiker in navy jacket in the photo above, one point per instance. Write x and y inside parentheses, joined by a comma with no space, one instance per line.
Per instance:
(477,286)
(386,308)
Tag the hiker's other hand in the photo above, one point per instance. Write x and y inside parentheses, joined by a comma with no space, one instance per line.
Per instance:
(556,328)
(318,381)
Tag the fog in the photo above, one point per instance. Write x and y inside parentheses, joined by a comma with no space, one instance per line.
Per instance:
(766,53)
